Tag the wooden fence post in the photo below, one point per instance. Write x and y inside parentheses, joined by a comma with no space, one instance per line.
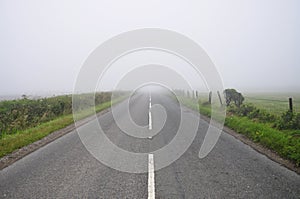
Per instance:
(220,98)
(291,104)
(209,97)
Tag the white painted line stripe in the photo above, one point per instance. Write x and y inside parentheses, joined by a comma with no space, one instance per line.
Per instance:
(151,185)
(150,121)
(150,115)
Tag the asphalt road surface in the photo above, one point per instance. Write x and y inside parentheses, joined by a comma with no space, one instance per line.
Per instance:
(65,169)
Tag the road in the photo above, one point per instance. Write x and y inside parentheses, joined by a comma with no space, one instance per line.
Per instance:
(65,169)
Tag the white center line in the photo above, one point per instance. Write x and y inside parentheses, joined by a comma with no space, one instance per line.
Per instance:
(150,115)
(151,185)
(150,121)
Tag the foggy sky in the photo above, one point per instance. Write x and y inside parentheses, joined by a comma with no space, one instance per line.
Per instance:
(255,44)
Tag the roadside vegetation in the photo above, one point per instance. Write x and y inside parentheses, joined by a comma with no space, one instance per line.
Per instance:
(25,121)
(278,131)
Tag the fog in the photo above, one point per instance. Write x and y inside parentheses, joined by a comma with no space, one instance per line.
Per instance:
(255,45)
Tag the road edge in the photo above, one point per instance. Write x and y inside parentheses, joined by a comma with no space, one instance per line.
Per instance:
(272,155)
(18,154)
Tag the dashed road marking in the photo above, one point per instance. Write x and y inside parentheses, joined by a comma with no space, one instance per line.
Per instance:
(150,115)
(151,182)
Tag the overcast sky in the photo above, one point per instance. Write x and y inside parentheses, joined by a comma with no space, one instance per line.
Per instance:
(255,44)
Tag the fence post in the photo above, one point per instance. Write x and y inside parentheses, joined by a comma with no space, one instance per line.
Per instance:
(220,98)
(209,97)
(291,104)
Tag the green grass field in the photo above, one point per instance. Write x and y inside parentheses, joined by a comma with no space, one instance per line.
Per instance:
(274,103)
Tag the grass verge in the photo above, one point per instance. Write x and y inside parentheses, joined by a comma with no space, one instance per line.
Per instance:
(10,143)
(284,143)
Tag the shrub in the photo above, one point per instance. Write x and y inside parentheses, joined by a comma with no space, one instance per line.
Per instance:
(231,95)
(289,120)
(252,112)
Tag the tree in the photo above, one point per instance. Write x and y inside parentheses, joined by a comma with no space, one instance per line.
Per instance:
(24,96)
(231,95)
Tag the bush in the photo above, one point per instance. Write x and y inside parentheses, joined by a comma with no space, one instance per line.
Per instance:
(246,110)
(252,112)
(231,95)
(289,120)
